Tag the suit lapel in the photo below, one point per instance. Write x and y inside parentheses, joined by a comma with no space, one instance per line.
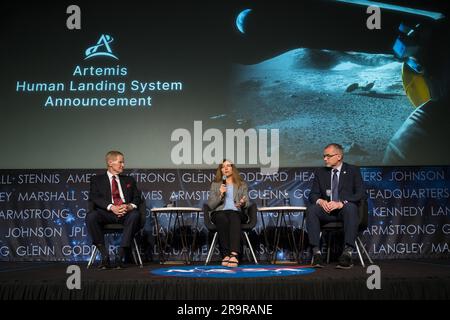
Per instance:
(107,186)
(328,178)
(235,192)
(123,185)
(342,177)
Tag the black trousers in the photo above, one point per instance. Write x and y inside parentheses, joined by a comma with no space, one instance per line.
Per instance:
(315,216)
(96,219)
(228,224)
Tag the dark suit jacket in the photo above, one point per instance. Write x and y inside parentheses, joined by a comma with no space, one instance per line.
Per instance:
(351,186)
(100,192)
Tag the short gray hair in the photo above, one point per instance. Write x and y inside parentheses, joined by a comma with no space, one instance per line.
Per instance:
(337,146)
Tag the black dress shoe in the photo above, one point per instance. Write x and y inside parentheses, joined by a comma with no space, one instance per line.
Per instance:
(345,261)
(105,264)
(317,261)
(120,258)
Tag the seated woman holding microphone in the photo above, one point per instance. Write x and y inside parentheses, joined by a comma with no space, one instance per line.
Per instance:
(227,199)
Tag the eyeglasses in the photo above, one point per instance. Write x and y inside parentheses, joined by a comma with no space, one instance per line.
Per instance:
(328,156)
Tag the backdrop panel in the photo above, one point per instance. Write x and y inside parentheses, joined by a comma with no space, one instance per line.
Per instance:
(42,211)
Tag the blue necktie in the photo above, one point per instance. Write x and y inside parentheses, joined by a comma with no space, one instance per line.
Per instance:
(334,186)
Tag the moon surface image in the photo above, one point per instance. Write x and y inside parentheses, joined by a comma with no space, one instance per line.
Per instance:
(315,97)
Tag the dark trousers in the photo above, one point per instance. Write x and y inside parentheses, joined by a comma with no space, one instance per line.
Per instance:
(315,216)
(96,219)
(228,224)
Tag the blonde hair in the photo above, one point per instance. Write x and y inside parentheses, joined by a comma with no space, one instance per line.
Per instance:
(237,180)
(113,154)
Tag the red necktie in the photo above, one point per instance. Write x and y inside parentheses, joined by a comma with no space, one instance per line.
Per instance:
(115,192)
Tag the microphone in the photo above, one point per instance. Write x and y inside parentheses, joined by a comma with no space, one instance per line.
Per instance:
(224,181)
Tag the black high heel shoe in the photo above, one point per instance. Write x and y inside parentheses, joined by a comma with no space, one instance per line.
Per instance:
(225,261)
(234,261)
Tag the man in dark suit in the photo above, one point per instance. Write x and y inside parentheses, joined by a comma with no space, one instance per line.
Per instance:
(336,191)
(115,199)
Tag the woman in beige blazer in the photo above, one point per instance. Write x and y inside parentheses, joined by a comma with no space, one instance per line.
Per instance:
(227,200)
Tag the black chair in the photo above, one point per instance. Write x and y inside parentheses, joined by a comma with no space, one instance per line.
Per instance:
(251,212)
(118,228)
(330,227)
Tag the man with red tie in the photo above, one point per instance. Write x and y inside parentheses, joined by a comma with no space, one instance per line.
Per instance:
(336,191)
(115,199)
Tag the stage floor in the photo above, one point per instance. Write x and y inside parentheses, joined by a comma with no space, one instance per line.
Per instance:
(400,279)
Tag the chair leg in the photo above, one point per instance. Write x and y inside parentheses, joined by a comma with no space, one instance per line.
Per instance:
(364,249)
(251,248)
(92,257)
(133,253)
(211,249)
(320,238)
(329,248)
(137,253)
(359,254)
(246,250)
